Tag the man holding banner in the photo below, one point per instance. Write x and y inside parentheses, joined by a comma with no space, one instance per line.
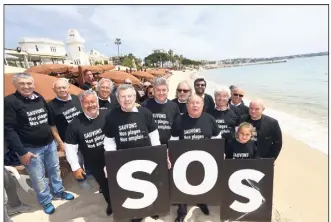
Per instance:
(128,126)
(85,133)
(194,125)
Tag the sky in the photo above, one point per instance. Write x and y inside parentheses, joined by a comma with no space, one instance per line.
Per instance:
(196,32)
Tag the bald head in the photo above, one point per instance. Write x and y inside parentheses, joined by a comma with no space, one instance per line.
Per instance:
(256,108)
(61,88)
(128,81)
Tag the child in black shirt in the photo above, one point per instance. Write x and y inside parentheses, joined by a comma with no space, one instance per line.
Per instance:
(243,147)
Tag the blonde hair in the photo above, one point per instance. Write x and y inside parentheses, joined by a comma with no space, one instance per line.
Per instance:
(245,125)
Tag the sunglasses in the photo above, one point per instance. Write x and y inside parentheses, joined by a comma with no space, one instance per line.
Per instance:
(235,94)
(183,90)
(200,85)
(128,83)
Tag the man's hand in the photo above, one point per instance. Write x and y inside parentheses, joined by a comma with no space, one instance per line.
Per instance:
(79,174)
(25,159)
(61,147)
(168,160)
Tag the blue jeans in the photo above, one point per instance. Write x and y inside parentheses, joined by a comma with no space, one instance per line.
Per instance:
(48,159)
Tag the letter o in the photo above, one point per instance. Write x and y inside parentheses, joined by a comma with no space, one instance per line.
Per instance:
(180,168)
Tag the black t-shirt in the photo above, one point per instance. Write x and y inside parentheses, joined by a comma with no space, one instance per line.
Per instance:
(256,124)
(226,120)
(61,113)
(86,86)
(186,127)
(130,129)
(26,122)
(237,150)
(164,116)
(87,133)
(105,104)
(182,106)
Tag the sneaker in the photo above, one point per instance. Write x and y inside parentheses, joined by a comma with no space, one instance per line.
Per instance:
(19,209)
(49,208)
(64,196)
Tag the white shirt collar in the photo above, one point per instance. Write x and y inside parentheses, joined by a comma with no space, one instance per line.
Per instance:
(90,118)
(180,101)
(109,100)
(64,100)
(222,110)
(134,110)
(160,102)
(237,104)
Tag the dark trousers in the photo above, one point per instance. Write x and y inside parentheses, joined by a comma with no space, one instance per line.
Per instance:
(99,175)
(182,210)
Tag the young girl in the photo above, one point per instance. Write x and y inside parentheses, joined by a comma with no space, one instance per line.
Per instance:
(242,147)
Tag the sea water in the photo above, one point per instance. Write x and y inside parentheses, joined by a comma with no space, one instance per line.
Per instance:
(295,93)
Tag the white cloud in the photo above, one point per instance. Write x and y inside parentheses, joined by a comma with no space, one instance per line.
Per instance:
(202,32)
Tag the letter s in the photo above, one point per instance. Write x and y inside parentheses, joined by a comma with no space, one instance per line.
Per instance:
(127,182)
(254,196)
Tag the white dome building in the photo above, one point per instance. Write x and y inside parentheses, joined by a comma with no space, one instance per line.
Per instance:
(75,48)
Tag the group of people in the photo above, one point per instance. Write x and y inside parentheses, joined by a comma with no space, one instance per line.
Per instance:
(110,119)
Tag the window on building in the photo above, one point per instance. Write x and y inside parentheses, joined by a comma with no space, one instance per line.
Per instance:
(37,48)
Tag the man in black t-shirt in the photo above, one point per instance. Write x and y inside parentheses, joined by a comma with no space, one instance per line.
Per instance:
(27,131)
(183,92)
(227,116)
(85,134)
(194,125)
(62,110)
(200,85)
(128,126)
(268,136)
(164,111)
(107,99)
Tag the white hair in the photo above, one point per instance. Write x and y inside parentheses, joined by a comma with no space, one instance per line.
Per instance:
(222,89)
(86,93)
(124,87)
(21,75)
(160,82)
(60,79)
(111,84)
(184,82)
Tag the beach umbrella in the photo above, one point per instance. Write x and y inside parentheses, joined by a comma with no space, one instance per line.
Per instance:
(145,75)
(118,77)
(94,69)
(107,67)
(43,84)
(50,68)
(156,72)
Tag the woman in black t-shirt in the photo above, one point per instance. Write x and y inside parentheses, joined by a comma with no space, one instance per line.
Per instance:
(243,147)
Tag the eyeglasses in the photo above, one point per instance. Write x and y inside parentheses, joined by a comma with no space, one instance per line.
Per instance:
(235,94)
(200,85)
(128,83)
(183,90)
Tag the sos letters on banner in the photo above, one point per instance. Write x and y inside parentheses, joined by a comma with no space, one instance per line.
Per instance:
(140,186)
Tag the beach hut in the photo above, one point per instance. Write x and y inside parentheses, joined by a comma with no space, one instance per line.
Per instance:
(43,83)
(118,77)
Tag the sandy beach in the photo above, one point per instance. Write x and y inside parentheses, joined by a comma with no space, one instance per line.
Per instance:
(300,188)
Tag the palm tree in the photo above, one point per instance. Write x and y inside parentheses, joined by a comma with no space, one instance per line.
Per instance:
(171,56)
(118,43)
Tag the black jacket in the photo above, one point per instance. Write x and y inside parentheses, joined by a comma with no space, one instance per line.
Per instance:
(269,141)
